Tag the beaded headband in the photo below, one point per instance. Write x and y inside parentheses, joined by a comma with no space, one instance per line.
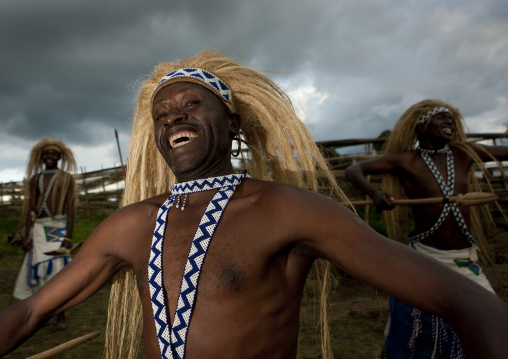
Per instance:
(52,147)
(433,112)
(201,77)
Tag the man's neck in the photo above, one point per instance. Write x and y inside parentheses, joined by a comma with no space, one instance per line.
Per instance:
(433,145)
(50,168)
(197,174)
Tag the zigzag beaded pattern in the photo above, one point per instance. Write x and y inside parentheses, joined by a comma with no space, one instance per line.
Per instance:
(155,281)
(447,189)
(202,75)
(173,345)
(206,184)
(431,113)
(199,246)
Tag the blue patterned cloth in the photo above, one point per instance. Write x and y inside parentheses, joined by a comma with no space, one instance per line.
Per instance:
(418,335)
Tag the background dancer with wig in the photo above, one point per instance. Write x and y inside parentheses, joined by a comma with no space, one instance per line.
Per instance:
(247,239)
(428,156)
(47,218)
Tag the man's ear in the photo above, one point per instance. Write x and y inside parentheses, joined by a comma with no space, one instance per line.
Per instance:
(234,123)
(420,128)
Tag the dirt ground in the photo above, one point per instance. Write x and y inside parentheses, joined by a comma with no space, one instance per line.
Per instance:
(357,314)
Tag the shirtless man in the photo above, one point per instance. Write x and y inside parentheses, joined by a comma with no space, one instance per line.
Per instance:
(270,233)
(47,219)
(438,167)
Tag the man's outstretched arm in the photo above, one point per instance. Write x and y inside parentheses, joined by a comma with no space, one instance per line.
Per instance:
(330,230)
(104,253)
(489,153)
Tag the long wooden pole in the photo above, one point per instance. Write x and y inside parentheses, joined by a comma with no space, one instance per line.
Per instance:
(468,199)
(65,346)
(118,144)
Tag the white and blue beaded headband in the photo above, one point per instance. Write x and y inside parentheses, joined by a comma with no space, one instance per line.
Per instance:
(425,117)
(200,77)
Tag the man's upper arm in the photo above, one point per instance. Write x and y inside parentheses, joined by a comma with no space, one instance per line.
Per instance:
(486,153)
(386,163)
(336,234)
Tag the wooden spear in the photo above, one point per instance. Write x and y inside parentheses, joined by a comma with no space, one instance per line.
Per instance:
(65,346)
(468,199)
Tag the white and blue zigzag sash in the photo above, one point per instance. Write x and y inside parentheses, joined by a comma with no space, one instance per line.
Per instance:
(447,189)
(172,340)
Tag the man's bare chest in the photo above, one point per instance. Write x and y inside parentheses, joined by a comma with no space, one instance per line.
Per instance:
(422,180)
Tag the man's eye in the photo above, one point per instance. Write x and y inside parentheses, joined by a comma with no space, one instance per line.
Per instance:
(161,116)
(191,103)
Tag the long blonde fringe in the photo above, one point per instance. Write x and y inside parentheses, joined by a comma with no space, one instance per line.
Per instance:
(403,139)
(280,148)
(62,183)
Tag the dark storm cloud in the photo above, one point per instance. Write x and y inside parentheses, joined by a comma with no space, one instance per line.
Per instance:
(70,70)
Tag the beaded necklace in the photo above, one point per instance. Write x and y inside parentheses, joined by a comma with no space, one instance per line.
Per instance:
(172,340)
(447,189)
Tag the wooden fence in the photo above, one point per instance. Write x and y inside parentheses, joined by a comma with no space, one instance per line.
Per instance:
(100,191)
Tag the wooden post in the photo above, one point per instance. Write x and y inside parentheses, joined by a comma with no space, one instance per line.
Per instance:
(85,187)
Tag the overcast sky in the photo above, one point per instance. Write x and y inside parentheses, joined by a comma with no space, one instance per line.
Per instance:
(70,69)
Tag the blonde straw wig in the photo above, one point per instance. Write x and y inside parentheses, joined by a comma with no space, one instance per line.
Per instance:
(404,138)
(280,148)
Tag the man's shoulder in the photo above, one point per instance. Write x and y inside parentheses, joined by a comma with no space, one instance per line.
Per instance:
(271,191)
(142,210)
(394,160)
(402,155)
(263,186)
(148,204)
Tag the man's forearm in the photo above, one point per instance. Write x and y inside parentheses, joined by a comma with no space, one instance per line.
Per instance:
(482,326)
(356,176)
(17,325)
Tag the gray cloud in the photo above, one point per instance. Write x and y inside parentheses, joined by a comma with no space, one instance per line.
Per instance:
(70,70)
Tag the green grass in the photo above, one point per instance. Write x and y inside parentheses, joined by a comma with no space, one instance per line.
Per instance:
(85,225)
(357,311)
(82,319)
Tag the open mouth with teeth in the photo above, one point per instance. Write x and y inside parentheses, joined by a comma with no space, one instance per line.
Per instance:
(182,138)
(447,130)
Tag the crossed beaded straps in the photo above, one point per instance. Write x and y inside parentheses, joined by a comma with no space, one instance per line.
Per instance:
(447,190)
(44,205)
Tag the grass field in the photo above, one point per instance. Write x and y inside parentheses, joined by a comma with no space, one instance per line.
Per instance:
(358,312)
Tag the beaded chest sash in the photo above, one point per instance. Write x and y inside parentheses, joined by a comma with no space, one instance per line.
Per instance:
(172,340)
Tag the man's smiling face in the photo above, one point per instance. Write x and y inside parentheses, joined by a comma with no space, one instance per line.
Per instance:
(193,130)
(50,158)
(441,125)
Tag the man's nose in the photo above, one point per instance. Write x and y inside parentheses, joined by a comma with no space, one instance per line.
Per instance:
(175,117)
(448,120)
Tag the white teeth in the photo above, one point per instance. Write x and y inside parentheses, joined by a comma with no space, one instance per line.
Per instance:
(188,135)
(447,130)
(179,144)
